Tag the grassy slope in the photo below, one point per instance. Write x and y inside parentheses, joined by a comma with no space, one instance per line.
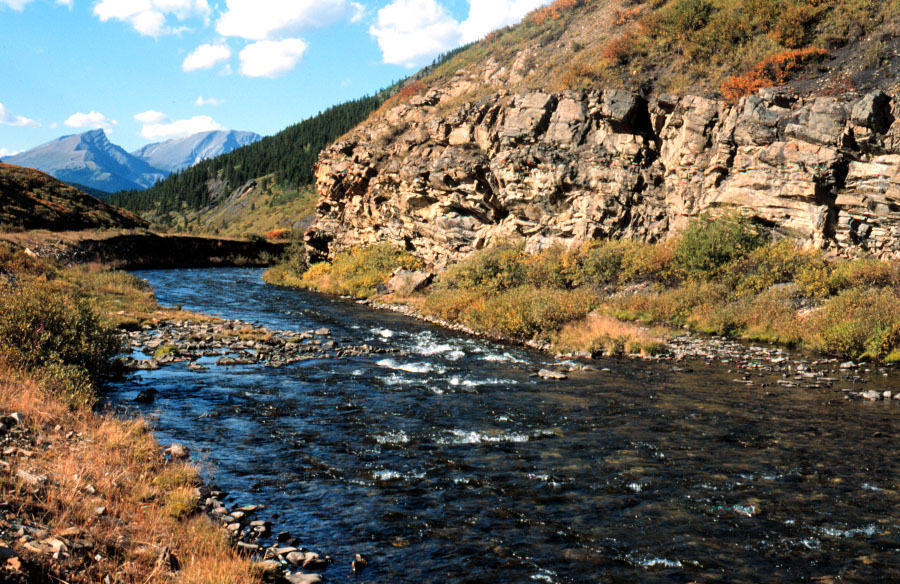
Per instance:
(34,200)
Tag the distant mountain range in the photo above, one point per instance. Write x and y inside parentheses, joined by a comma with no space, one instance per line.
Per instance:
(180,153)
(90,159)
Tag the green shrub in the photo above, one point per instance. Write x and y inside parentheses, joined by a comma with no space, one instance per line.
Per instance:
(360,270)
(527,312)
(682,18)
(854,322)
(494,269)
(45,326)
(776,263)
(707,244)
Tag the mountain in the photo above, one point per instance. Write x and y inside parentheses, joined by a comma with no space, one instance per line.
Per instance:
(262,186)
(31,199)
(180,153)
(90,159)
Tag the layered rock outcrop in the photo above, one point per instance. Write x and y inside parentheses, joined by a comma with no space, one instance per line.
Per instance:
(443,176)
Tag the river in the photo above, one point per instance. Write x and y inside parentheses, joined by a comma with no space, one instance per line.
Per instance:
(450,462)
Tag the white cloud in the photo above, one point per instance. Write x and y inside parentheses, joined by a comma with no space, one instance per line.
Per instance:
(9,119)
(4,152)
(90,120)
(487,16)
(206,57)
(68,3)
(204,101)
(158,126)
(148,17)
(15,4)
(271,58)
(410,32)
(151,117)
(267,19)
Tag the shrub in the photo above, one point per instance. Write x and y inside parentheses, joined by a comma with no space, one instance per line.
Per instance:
(856,320)
(681,19)
(865,273)
(554,11)
(492,269)
(708,244)
(360,270)
(554,267)
(774,70)
(43,325)
(776,263)
(527,312)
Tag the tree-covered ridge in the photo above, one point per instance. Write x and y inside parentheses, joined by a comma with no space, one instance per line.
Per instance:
(289,156)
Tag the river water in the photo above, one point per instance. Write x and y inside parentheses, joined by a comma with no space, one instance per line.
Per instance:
(451,463)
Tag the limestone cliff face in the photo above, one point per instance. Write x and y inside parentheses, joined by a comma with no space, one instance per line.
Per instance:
(443,176)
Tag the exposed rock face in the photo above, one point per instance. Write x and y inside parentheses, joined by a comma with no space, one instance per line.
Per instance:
(443,180)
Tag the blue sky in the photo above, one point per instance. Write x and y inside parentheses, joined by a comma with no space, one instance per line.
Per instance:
(149,70)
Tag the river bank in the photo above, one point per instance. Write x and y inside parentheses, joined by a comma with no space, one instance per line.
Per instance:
(143,249)
(88,495)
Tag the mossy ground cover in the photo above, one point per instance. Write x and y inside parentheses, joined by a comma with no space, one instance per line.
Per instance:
(723,276)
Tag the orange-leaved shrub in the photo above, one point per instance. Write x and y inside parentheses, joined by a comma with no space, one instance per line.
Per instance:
(774,70)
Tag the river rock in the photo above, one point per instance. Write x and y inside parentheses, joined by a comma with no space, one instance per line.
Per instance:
(146,396)
(178,451)
(550,374)
(409,281)
(304,578)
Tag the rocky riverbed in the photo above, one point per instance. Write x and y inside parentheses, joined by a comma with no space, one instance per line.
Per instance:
(752,365)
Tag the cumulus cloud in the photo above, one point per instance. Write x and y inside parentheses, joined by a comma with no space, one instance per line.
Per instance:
(271,58)
(206,57)
(151,117)
(149,17)
(487,16)
(4,152)
(158,126)
(204,101)
(409,32)
(9,119)
(412,32)
(15,4)
(93,120)
(271,19)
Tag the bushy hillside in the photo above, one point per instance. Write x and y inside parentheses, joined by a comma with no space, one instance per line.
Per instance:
(711,47)
(31,199)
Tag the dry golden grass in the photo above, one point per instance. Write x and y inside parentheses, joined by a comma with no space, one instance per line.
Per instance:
(599,332)
(96,461)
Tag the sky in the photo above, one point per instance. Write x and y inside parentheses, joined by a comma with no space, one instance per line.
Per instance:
(150,70)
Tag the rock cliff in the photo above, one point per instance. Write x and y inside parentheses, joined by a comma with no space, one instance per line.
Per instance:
(443,176)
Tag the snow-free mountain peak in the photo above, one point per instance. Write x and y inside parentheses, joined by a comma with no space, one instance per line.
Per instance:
(90,159)
(180,153)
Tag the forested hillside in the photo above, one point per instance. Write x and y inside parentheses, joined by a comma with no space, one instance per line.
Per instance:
(287,158)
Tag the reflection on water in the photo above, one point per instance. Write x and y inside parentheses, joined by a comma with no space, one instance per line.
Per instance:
(450,463)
